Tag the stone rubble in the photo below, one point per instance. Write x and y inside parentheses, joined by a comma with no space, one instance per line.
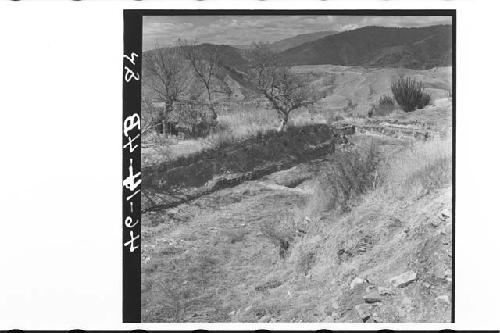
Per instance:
(404,279)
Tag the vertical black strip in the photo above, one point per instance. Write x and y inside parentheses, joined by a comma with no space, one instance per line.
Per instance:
(132,54)
(454,152)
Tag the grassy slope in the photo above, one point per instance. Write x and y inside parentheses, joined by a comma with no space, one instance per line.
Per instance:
(391,231)
(213,261)
(216,260)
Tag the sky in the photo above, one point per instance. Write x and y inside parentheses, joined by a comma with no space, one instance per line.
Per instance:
(243,30)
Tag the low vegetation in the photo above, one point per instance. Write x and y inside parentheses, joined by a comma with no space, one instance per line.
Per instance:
(386,101)
(410,94)
(350,174)
(256,216)
(338,243)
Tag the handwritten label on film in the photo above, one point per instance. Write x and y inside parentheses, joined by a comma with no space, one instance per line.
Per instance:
(132,133)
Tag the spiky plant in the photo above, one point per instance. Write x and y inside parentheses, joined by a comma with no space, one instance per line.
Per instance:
(409,94)
(386,101)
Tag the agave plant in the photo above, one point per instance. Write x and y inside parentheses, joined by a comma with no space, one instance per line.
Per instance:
(409,94)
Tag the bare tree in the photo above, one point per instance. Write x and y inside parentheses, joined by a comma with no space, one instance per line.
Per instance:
(283,89)
(165,72)
(207,65)
(149,116)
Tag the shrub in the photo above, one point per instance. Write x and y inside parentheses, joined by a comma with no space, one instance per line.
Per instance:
(386,101)
(409,94)
(351,174)
(384,107)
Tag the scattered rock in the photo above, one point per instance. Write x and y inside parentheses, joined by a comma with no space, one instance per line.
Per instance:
(404,279)
(372,297)
(385,291)
(444,215)
(328,319)
(335,315)
(426,284)
(369,288)
(443,298)
(363,311)
(435,223)
(264,319)
(406,303)
(356,282)
(269,285)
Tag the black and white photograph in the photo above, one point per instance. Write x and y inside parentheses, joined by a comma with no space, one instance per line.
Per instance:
(297,167)
(258,165)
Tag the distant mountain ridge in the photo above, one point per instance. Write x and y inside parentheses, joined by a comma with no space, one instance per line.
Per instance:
(288,43)
(416,48)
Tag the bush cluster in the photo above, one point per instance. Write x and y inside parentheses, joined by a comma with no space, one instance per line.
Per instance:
(409,94)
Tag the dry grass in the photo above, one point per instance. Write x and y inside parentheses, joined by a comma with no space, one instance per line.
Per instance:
(241,122)
(424,167)
(281,234)
(350,209)
(351,174)
(238,122)
(235,235)
(320,275)
(317,266)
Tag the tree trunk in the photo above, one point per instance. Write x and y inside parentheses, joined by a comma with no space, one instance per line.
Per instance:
(166,112)
(212,110)
(211,106)
(164,128)
(284,123)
